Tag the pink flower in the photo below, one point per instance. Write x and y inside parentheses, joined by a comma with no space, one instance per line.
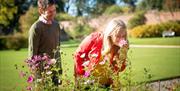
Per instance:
(46,67)
(22,74)
(102,62)
(87,74)
(45,57)
(122,43)
(30,79)
(51,61)
(29,88)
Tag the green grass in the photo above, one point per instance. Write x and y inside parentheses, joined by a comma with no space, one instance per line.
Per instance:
(141,41)
(163,63)
(156,41)
(9,77)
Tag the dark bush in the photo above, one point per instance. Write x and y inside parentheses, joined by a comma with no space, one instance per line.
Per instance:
(15,42)
(3,40)
(136,20)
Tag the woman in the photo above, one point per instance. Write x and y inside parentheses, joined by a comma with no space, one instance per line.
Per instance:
(100,45)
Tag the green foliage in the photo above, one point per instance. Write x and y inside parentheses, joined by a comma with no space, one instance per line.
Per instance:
(7,11)
(155,30)
(15,42)
(137,19)
(64,17)
(80,31)
(170,5)
(131,4)
(173,26)
(92,8)
(102,5)
(80,28)
(28,19)
(113,9)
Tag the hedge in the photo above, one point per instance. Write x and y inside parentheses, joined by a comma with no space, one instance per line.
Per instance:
(145,31)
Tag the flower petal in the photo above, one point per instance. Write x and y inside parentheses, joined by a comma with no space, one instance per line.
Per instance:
(30,79)
(83,55)
(86,63)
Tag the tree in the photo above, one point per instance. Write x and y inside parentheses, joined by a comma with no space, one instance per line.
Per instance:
(150,4)
(10,11)
(131,4)
(102,5)
(171,5)
(7,12)
(90,6)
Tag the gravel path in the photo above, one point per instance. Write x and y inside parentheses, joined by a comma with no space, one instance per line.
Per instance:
(165,85)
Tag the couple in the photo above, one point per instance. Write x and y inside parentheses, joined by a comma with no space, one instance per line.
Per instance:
(100,48)
(44,37)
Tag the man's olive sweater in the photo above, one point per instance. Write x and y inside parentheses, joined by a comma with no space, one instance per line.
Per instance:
(44,38)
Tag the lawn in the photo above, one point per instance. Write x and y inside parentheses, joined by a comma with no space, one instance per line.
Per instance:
(155,41)
(161,62)
(140,41)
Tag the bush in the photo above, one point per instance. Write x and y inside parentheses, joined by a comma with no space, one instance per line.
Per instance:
(145,31)
(15,42)
(3,41)
(64,17)
(28,19)
(138,19)
(173,26)
(80,31)
(113,9)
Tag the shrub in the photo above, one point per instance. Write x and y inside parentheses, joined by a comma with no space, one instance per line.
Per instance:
(15,42)
(138,19)
(125,9)
(173,26)
(64,17)
(80,31)
(155,30)
(3,40)
(28,19)
(113,9)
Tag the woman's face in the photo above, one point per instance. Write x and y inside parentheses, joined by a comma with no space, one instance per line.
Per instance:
(117,36)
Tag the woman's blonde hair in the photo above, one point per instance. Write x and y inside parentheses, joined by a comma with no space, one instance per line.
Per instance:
(113,27)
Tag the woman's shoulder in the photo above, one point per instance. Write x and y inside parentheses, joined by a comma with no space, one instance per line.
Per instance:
(96,34)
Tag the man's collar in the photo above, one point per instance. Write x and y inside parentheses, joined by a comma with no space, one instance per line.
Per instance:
(42,19)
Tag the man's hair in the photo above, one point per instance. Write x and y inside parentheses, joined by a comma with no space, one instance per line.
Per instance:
(45,3)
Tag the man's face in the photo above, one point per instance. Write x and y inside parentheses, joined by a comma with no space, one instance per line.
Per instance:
(49,13)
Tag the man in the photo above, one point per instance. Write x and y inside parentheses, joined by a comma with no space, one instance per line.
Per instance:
(44,34)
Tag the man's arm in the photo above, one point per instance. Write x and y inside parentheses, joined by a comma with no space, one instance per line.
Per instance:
(34,38)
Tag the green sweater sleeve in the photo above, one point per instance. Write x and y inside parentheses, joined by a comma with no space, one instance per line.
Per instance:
(34,38)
